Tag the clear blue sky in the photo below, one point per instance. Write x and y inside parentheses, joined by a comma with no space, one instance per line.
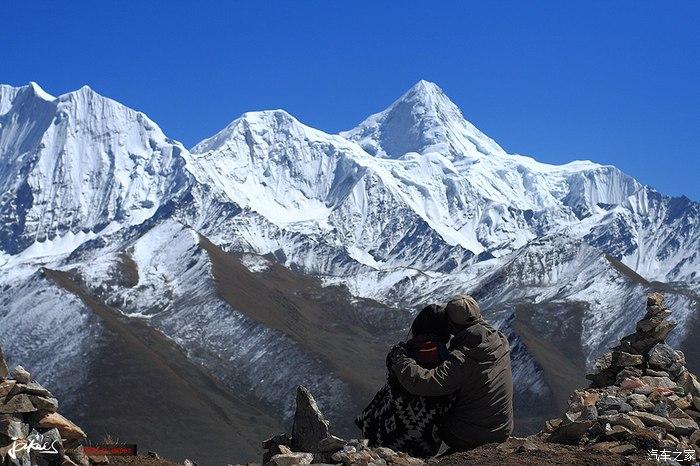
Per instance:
(615,82)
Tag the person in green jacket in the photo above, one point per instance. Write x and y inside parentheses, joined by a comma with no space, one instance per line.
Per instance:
(478,370)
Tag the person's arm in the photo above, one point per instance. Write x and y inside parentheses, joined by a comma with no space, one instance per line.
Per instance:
(445,379)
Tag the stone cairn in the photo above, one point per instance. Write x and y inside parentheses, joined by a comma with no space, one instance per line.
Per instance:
(31,429)
(641,397)
(312,443)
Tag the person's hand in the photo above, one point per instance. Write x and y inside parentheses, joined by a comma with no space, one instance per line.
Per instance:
(397,351)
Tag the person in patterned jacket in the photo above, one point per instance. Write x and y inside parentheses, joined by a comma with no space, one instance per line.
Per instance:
(397,419)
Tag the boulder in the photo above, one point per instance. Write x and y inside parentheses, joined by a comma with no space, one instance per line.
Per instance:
(663,357)
(570,432)
(684,426)
(6,387)
(655,302)
(32,388)
(78,456)
(44,404)
(21,375)
(331,444)
(631,383)
(309,426)
(653,420)
(14,428)
(647,324)
(67,428)
(17,404)
(658,382)
(618,432)
(290,459)
(622,359)
(625,420)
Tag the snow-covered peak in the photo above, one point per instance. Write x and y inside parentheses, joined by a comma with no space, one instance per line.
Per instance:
(39,92)
(422,120)
(268,126)
(77,163)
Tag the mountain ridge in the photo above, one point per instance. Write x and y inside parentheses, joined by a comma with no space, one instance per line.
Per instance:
(95,189)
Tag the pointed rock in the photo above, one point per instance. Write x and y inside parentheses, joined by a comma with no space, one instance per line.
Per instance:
(310,426)
(67,428)
(21,375)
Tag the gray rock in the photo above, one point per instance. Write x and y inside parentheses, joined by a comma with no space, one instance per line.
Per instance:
(658,382)
(4,371)
(589,413)
(608,403)
(625,420)
(646,390)
(279,439)
(678,413)
(290,459)
(618,432)
(652,420)
(6,387)
(32,388)
(17,404)
(570,432)
(44,404)
(654,373)
(623,449)
(14,428)
(21,375)
(655,302)
(661,409)
(651,322)
(331,444)
(656,335)
(53,437)
(627,373)
(663,357)
(684,426)
(310,426)
(623,359)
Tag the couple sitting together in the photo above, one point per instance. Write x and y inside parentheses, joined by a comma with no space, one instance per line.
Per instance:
(450,382)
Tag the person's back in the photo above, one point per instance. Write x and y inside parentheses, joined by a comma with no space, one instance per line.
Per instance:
(483,411)
(478,370)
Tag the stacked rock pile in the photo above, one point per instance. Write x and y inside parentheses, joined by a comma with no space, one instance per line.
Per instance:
(32,432)
(312,443)
(642,397)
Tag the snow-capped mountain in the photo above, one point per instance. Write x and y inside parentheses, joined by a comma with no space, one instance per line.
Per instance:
(273,253)
(78,164)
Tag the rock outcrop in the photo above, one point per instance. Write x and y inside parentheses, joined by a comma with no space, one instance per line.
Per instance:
(312,443)
(641,398)
(31,429)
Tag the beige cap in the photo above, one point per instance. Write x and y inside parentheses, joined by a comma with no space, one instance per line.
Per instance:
(462,310)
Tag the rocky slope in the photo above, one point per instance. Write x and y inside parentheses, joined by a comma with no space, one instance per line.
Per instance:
(274,254)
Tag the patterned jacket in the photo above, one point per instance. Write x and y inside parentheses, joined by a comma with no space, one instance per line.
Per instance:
(401,421)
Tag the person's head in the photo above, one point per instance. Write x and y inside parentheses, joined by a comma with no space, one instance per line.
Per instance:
(462,311)
(431,321)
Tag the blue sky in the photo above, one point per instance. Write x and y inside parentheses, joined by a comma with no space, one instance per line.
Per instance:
(614,82)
